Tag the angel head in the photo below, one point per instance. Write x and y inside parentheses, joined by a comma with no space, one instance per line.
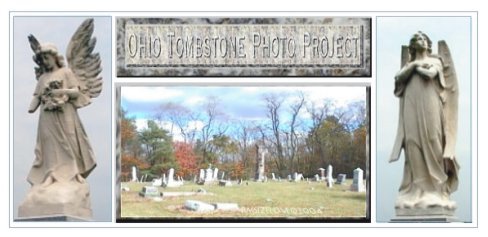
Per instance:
(50,57)
(46,56)
(84,65)
(419,41)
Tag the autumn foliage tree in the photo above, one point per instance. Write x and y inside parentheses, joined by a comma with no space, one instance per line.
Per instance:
(185,158)
(128,162)
(130,147)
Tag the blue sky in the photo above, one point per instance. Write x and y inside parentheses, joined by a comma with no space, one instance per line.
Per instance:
(238,103)
(392,32)
(96,118)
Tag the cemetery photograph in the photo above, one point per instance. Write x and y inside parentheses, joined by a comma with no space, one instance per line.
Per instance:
(243,153)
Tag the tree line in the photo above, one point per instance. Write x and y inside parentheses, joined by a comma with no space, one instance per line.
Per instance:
(297,134)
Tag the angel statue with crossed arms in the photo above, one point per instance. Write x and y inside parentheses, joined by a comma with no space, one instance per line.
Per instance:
(63,155)
(428,91)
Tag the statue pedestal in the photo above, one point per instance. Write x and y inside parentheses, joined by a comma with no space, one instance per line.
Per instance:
(65,200)
(424,215)
(59,218)
(424,219)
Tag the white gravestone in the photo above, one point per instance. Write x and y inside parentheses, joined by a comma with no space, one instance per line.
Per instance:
(134,174)
(201,177)
(208,175)
(157,182)
(170,181)
(357,181)
(330,180)
(215,174)
(198,206)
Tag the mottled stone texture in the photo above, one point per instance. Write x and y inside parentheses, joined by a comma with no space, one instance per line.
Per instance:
(361,69)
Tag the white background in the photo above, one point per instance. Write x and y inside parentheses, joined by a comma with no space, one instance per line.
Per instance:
(248,5)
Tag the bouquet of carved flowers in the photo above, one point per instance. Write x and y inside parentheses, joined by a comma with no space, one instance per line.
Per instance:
(51,101)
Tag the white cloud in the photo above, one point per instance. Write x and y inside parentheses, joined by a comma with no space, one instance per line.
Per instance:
(149,94)
(195,125)
(141,124)
(194,100)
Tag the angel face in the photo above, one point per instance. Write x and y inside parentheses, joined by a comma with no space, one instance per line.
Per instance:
(50,61)
(420,42)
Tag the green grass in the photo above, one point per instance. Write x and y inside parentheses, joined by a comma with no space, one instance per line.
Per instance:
(271,199)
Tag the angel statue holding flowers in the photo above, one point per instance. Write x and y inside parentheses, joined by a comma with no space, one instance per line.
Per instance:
(63,155)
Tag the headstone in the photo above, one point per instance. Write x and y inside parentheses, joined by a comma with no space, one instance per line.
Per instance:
(226,206)
(259,164)
(171,173)
(322,173)
(289,178)
(273,176)
(225,183)
(201,177)
(134,174)
(157,182)
(198,206)
(125,189)
(341,179)
(317,177)
(296,177)
(208,175)
(279,179)
(215,173)
(223,175)
(149,191)
(329,172)
(357,181)
(170,183)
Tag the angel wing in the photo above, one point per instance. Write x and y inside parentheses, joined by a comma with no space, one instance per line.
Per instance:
(399,88)
(85,64)
(36,48)
(451,99)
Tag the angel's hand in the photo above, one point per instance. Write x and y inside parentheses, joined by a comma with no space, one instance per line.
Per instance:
(417,63)
(72,93)
(36,101)
(57,92)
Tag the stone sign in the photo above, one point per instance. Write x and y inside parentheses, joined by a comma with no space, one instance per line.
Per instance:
(240,46)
